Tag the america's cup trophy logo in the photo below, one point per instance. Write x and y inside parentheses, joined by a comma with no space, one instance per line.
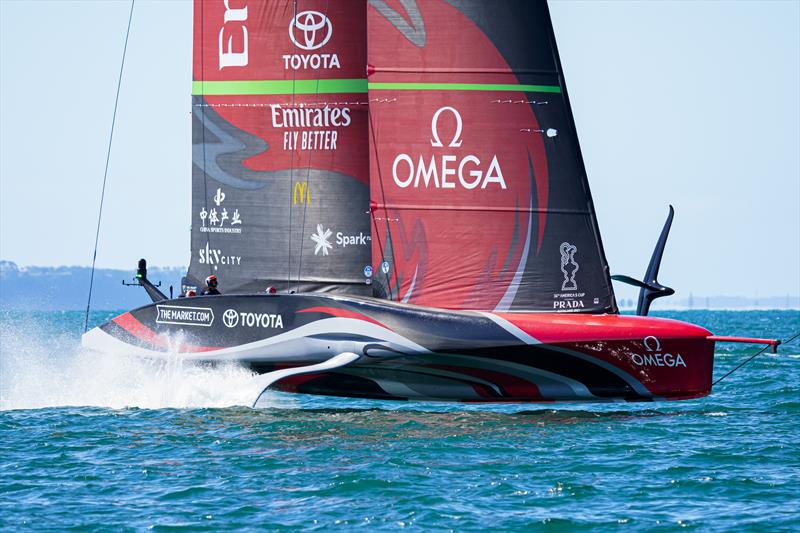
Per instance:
(569,266)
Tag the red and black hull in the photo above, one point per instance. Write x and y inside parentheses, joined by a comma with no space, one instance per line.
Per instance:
(410,352)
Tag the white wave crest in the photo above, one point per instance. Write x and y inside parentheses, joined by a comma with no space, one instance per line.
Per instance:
(40,369)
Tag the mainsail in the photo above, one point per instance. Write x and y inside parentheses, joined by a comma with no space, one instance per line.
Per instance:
(280,193)
(453,179)
(479,193)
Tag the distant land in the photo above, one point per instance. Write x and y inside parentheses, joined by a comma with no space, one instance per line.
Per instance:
(65,288)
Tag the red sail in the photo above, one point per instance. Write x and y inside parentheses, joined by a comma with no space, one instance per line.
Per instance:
(280,139)
(479,196)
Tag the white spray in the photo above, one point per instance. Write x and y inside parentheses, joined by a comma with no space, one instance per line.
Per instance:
(40,369)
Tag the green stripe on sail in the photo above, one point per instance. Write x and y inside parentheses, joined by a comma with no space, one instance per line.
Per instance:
(465,87)
(256,87)
(260,87)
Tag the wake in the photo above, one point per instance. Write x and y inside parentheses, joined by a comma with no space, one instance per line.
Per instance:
(40,368)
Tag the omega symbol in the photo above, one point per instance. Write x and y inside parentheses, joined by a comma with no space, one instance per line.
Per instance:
(435,140)
(652,344)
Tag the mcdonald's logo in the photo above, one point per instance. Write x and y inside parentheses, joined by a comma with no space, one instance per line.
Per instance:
(301,191)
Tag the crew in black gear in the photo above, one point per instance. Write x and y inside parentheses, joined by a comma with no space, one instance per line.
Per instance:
(211,286)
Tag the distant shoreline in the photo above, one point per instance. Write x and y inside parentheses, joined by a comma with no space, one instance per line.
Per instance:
(65,288)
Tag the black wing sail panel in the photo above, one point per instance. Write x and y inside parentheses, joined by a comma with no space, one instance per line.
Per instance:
(280,185)
(479,193)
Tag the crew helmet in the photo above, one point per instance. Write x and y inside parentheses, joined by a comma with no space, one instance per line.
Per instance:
(211,282)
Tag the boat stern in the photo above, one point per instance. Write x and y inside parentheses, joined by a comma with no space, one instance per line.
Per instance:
(660,358)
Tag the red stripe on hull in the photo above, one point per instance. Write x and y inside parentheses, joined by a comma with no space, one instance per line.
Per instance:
(513,386)
(672,359)
(292,383)
(682,368)
(562,327)
(130,324)
(342,313)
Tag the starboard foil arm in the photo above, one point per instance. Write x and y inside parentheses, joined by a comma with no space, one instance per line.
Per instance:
(264,381)
(650,288)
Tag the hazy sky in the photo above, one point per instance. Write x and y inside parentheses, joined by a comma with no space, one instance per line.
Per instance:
(691,103)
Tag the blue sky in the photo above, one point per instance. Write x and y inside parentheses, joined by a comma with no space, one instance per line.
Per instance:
(691,103)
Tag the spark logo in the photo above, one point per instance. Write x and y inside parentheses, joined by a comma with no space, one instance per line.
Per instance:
(320,238)
(323,244)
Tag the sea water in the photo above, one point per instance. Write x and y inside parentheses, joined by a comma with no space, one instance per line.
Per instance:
(91,442)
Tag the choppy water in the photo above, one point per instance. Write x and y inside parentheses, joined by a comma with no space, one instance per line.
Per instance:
(95,443)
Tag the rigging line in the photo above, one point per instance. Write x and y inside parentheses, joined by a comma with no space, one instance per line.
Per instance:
(762,350)
(291,173)
(385,210)
(308,186)
(305,210)
(105,172)
(203,127)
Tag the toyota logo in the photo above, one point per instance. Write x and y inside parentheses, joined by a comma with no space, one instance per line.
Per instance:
(313,28)
(230,318)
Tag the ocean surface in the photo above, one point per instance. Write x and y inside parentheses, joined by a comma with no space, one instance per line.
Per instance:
(108,443)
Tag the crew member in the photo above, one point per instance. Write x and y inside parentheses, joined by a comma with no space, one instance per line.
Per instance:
(211,286)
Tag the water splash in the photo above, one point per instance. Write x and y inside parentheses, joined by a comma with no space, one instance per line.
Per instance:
(42,368)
